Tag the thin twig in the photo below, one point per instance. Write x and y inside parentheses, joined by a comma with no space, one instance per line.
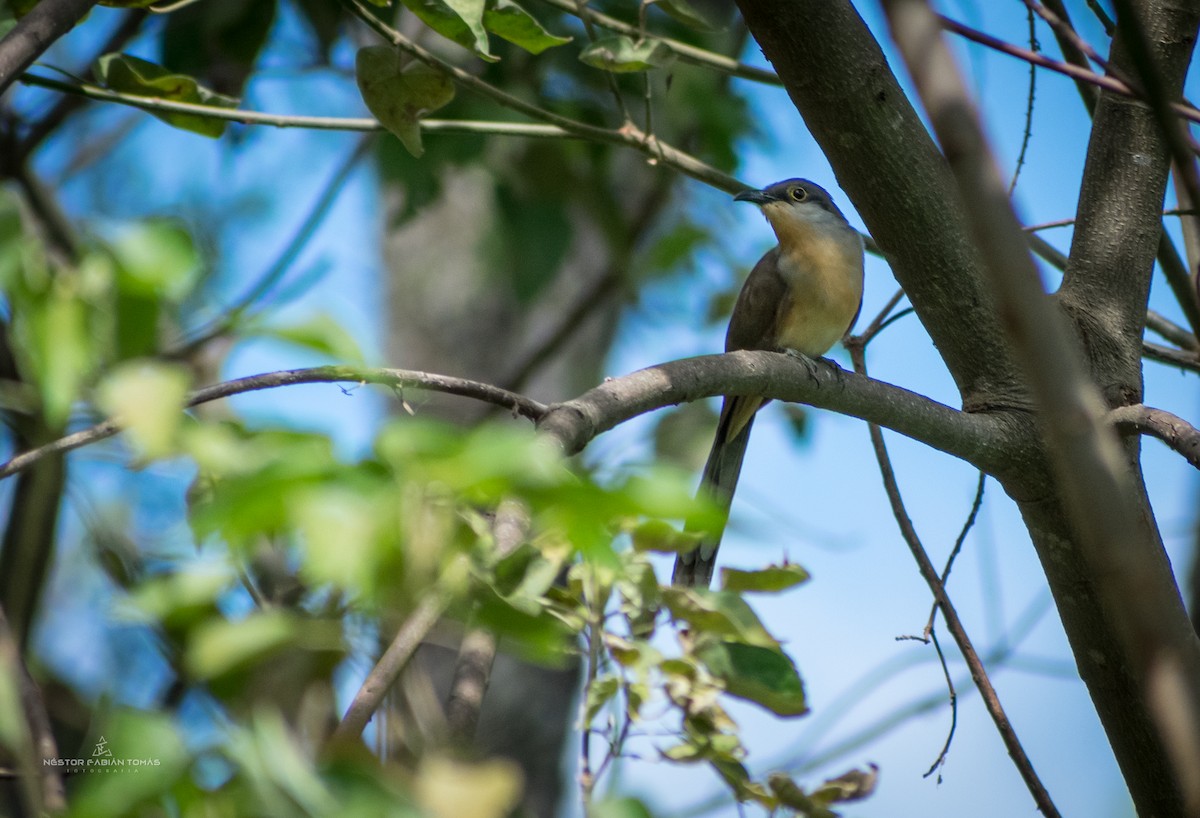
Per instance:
(1027,135)
(941,757)
(319,123)
(976,504)
(978,673)
(1075,72)
(395,378)
(381,678)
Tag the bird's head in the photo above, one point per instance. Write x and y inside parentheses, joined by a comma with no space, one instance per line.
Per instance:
(796,206)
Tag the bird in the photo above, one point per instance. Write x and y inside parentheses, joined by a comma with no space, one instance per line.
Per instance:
(802,296)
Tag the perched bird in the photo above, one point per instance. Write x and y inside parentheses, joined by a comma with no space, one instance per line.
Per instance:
(802,296)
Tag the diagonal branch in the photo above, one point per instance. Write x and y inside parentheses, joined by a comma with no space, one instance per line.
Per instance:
(35,32)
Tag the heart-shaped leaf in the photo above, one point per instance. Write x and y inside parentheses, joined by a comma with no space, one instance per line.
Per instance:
(400,95)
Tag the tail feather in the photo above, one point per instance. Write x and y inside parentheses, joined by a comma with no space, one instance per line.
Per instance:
(718,483)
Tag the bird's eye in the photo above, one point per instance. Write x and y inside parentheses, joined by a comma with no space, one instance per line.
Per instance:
(798,194)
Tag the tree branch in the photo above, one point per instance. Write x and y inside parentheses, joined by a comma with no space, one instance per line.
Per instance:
(395,378)
(35,32)
(381,678)
(1171,429)
(1093,476)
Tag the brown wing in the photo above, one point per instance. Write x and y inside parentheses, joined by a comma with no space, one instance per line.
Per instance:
(752,325)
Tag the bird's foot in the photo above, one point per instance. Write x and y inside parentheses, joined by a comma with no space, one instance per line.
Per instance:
(809,364)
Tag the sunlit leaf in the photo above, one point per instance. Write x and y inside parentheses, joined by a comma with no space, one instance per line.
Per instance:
(221,645)
(460,21)
(761,675)
(447,788)
(662,537)
(400,95)
(770,579)
(508,20)
(138,77)
(319,333)
(718,613)
(157,259)
(147,399)
(622,54)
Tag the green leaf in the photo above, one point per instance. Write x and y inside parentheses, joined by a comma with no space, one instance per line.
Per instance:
(508,20)
(219,646)
(319,333)
(157,259)
(147,399)
(686,13)
(152,739)
(761,675)
(183,598)
(770,579)
(61,350)
(448,788)
(620,808)
(341,530)
(131,75)
(599,693)
(721,614)
(460,21)
(400,95)
(662,537)
(622,54)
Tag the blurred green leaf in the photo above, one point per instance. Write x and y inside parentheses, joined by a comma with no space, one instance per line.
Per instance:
(449,788)
(508,20)
(600,692)
(60,349)
(721,614)
(138,77)
(147,399)
(622,54)
(686,13)
(221,645)
(662,537)
(620,808)
(157,258)
(319,333)
(285,781)
(400,95)
(341,533)
(770,579)
(155,757)
(764,676)
(183,598)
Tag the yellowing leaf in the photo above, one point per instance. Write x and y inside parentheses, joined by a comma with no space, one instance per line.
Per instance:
(771,578)
(446,788)
(146,399)
(400,95)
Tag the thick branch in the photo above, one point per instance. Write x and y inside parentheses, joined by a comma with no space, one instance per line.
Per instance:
(1092,475)
(978,439)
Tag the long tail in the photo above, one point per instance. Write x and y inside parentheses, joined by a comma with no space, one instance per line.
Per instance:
(718,483)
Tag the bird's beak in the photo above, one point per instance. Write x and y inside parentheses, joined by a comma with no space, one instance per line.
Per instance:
(757,197)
